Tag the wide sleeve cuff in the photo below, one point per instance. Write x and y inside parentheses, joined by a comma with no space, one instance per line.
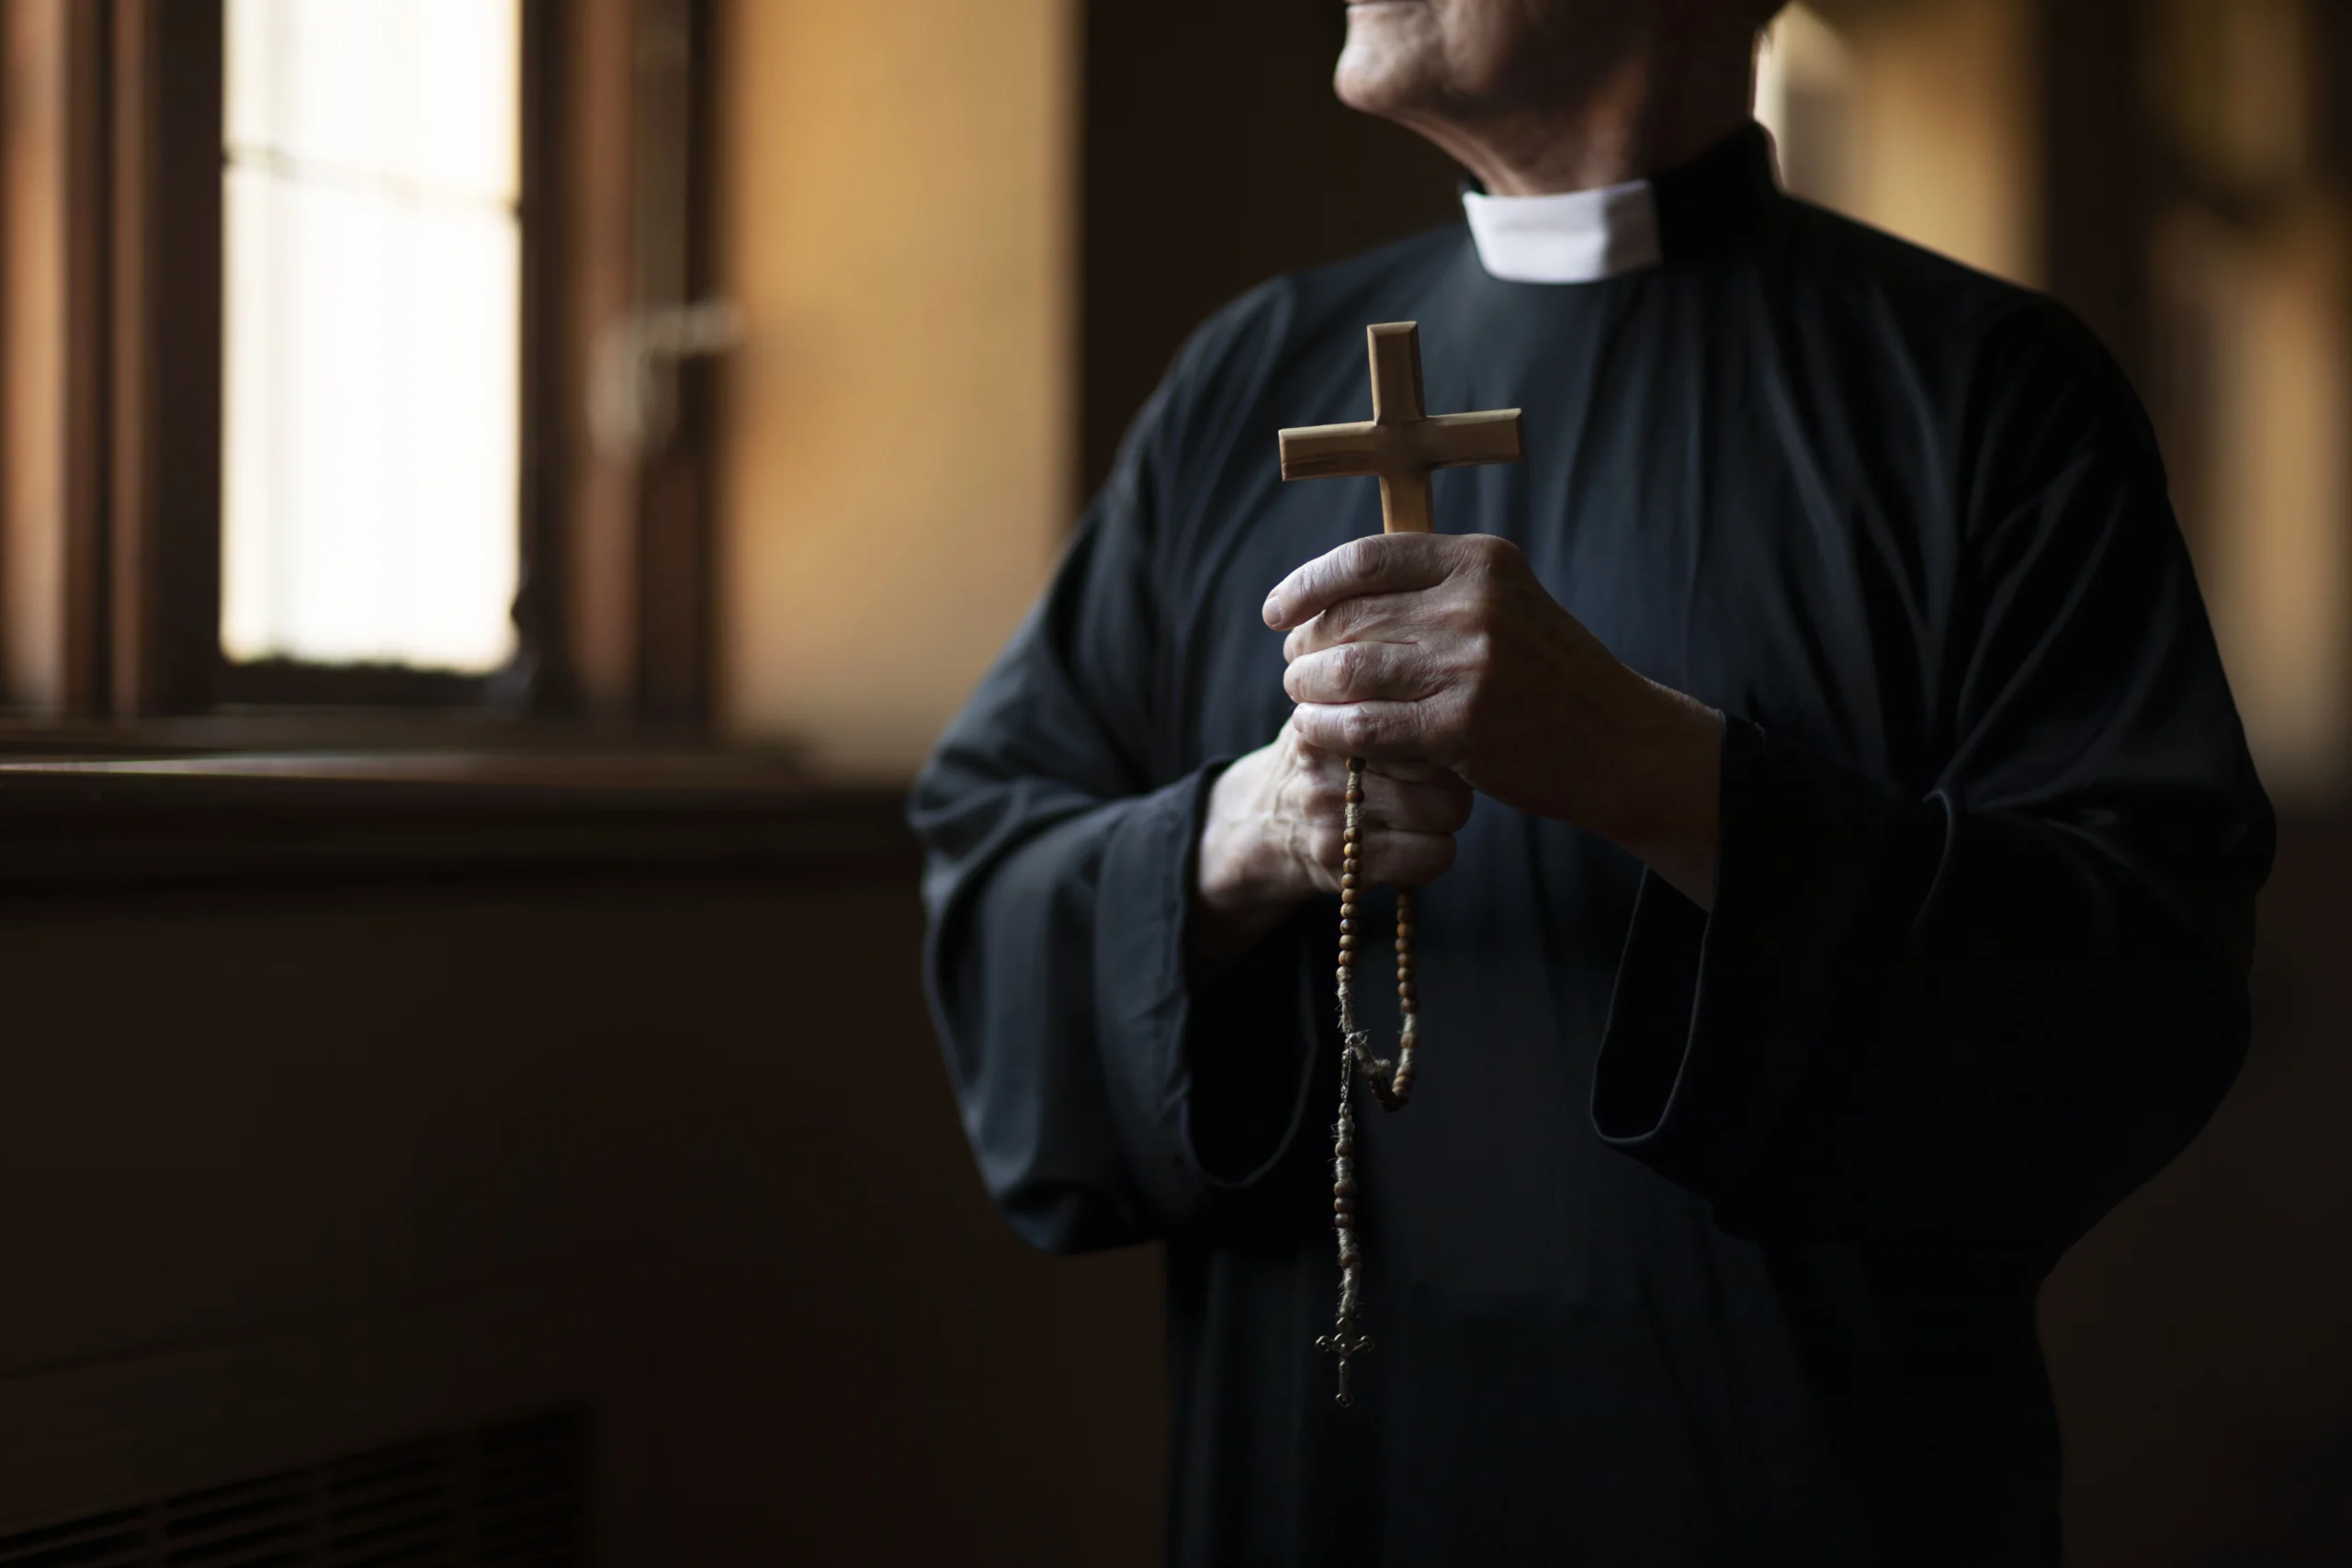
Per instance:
(1209,1081)
(1718,1022)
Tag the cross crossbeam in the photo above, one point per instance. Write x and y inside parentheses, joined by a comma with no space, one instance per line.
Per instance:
(1401,445)
(1346,1345)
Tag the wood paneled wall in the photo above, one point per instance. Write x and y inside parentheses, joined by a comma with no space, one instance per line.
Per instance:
(230,1115)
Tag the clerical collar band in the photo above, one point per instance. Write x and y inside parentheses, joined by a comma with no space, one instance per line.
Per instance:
(1579,236)
(1586,235)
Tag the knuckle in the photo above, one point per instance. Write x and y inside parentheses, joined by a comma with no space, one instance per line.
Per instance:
(1461,713)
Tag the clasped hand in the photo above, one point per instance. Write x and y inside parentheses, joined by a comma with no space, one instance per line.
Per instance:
(1443,663)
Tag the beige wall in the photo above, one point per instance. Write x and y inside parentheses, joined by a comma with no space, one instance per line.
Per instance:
(895,466)
(2274,553)
(1935,114)
(1948,128)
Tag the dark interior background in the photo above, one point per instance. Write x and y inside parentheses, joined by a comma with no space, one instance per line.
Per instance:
(1214,158)
(708,1105)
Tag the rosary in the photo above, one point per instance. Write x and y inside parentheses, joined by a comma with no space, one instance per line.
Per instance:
(1402,446)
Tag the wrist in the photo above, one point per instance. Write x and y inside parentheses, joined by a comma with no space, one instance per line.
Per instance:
(1666,808)
(1240,891)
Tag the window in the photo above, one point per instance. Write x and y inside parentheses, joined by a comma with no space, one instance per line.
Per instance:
(373,327)
(303,304)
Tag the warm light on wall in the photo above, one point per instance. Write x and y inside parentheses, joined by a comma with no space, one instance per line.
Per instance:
(894,463)
(1917,119)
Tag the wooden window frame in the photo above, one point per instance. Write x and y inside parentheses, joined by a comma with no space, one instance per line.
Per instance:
(111,574)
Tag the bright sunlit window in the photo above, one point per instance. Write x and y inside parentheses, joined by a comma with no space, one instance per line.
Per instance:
(373,331)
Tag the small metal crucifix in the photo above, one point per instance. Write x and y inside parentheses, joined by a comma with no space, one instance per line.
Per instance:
(1344,1342)
(1402,445)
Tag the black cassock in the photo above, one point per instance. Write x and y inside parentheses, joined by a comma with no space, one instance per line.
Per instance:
(1706,1240)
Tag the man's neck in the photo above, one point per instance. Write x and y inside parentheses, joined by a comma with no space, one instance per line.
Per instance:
(1656,110)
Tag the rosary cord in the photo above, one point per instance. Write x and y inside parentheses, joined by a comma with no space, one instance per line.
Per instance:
(1391,1083)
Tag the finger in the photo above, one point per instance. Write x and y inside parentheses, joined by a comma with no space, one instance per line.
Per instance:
(1332,766)
(1430,800)
(1369,730)
(1412,770)
(1379,563)
(1406,860)
(1414,808)
(1387,857)
(1374,617)
(1359,671)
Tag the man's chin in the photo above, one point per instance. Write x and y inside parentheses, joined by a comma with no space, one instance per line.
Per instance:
(1393,53)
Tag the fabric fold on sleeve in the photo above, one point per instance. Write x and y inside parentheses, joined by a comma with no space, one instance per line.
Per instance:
(1714,1020)
(1906,1018)
(1208,1080)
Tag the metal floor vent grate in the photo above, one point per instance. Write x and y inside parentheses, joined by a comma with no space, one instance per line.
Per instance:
(511,1494)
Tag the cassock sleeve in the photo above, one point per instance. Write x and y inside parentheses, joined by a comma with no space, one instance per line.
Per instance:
(1992,1005)
(1060,847)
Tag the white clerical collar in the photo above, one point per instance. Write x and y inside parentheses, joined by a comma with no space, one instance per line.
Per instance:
(1579,236)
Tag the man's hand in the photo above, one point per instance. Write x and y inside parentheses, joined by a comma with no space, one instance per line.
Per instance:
(1274,823)
(1430,651)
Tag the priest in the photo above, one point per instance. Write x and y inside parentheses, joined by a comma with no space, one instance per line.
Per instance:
(1836,847)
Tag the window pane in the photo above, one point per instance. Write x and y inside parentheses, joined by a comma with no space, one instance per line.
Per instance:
(374,328)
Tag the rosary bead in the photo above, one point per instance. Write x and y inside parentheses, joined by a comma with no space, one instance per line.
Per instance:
(1393,1084)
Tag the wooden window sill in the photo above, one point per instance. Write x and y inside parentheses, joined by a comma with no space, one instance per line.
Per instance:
(136,813)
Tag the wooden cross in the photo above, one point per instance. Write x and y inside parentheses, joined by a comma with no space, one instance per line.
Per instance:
(1400,443)
(1401,446)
